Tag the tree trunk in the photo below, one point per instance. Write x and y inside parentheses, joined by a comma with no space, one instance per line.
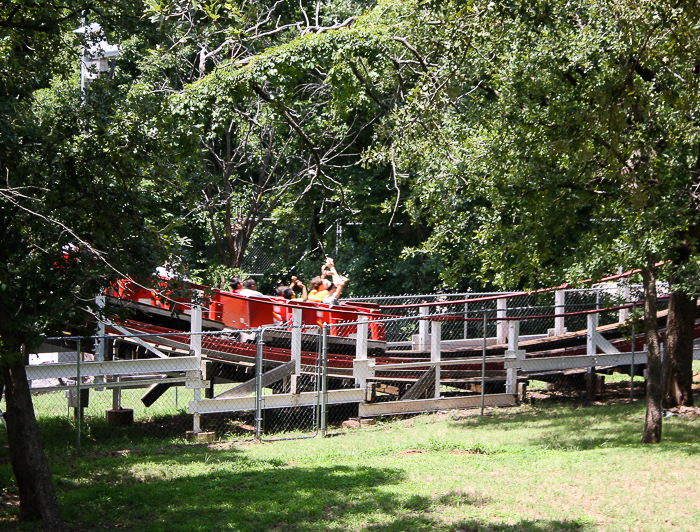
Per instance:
(29,462)
(678,364)
(652,424)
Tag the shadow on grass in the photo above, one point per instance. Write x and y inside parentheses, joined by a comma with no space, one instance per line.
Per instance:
(423,524)
(194,488)
(245,498)
(250,496)
(590,427)
(59,434)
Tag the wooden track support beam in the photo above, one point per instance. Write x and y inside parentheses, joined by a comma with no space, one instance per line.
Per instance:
(431,405)
(268,378)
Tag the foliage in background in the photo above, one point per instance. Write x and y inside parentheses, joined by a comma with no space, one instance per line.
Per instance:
(91,183)
(285,124)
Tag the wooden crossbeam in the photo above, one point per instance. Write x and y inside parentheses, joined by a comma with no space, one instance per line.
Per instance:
(268,378)
(422,385)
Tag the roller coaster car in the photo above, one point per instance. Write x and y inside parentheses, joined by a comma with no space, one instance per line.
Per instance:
(171,307)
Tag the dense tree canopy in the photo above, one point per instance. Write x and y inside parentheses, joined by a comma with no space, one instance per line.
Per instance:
(89,193)
(539,142)
(564,142)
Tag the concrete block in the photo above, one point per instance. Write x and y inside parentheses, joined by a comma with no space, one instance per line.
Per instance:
(200,437)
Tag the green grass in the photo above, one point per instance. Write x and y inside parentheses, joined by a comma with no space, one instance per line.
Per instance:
(54,404)
(162,423)
(534,469)
(174,400)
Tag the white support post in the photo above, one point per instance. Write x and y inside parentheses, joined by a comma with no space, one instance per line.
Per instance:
(501,324)
(423,332)
(596,341)
(511,380)
(559,311)
(196,330)
(466,323)
(361,343)
(435,353)
(296,350)
(513,352)
(296,339)
(196,397)
(513,335)
(117,396)
(196,349)
(591,346)
(624,293)
(363,370)
(360,368)
(194,381)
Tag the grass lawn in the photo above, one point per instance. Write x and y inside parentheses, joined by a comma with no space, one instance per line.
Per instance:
(538,469)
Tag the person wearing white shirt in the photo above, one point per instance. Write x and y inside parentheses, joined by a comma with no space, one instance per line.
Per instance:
(250,288)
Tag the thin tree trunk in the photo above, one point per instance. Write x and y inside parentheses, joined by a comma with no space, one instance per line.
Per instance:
(29,462)
(678,364)
(652,424)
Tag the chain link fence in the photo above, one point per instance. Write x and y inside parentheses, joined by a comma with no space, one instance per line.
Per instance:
(141,384)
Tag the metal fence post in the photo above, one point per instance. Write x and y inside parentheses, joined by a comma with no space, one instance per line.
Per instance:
(78,410)
(324,378)
(100,341)
(258,382)
(634,341)
(483,367)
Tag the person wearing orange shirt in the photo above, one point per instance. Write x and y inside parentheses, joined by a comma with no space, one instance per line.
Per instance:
(318,290)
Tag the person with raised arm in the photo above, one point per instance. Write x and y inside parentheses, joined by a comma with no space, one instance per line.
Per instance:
(296,283)
(337,285)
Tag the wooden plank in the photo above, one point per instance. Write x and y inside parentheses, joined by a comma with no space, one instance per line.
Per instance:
(445,363)
(418,390)
(135,384)
(154,392)
(153,349)
(387,388)
(576,361)
(268,378)
(431,405)
(457,376)
(287,400)
(113,367)
(604,344)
